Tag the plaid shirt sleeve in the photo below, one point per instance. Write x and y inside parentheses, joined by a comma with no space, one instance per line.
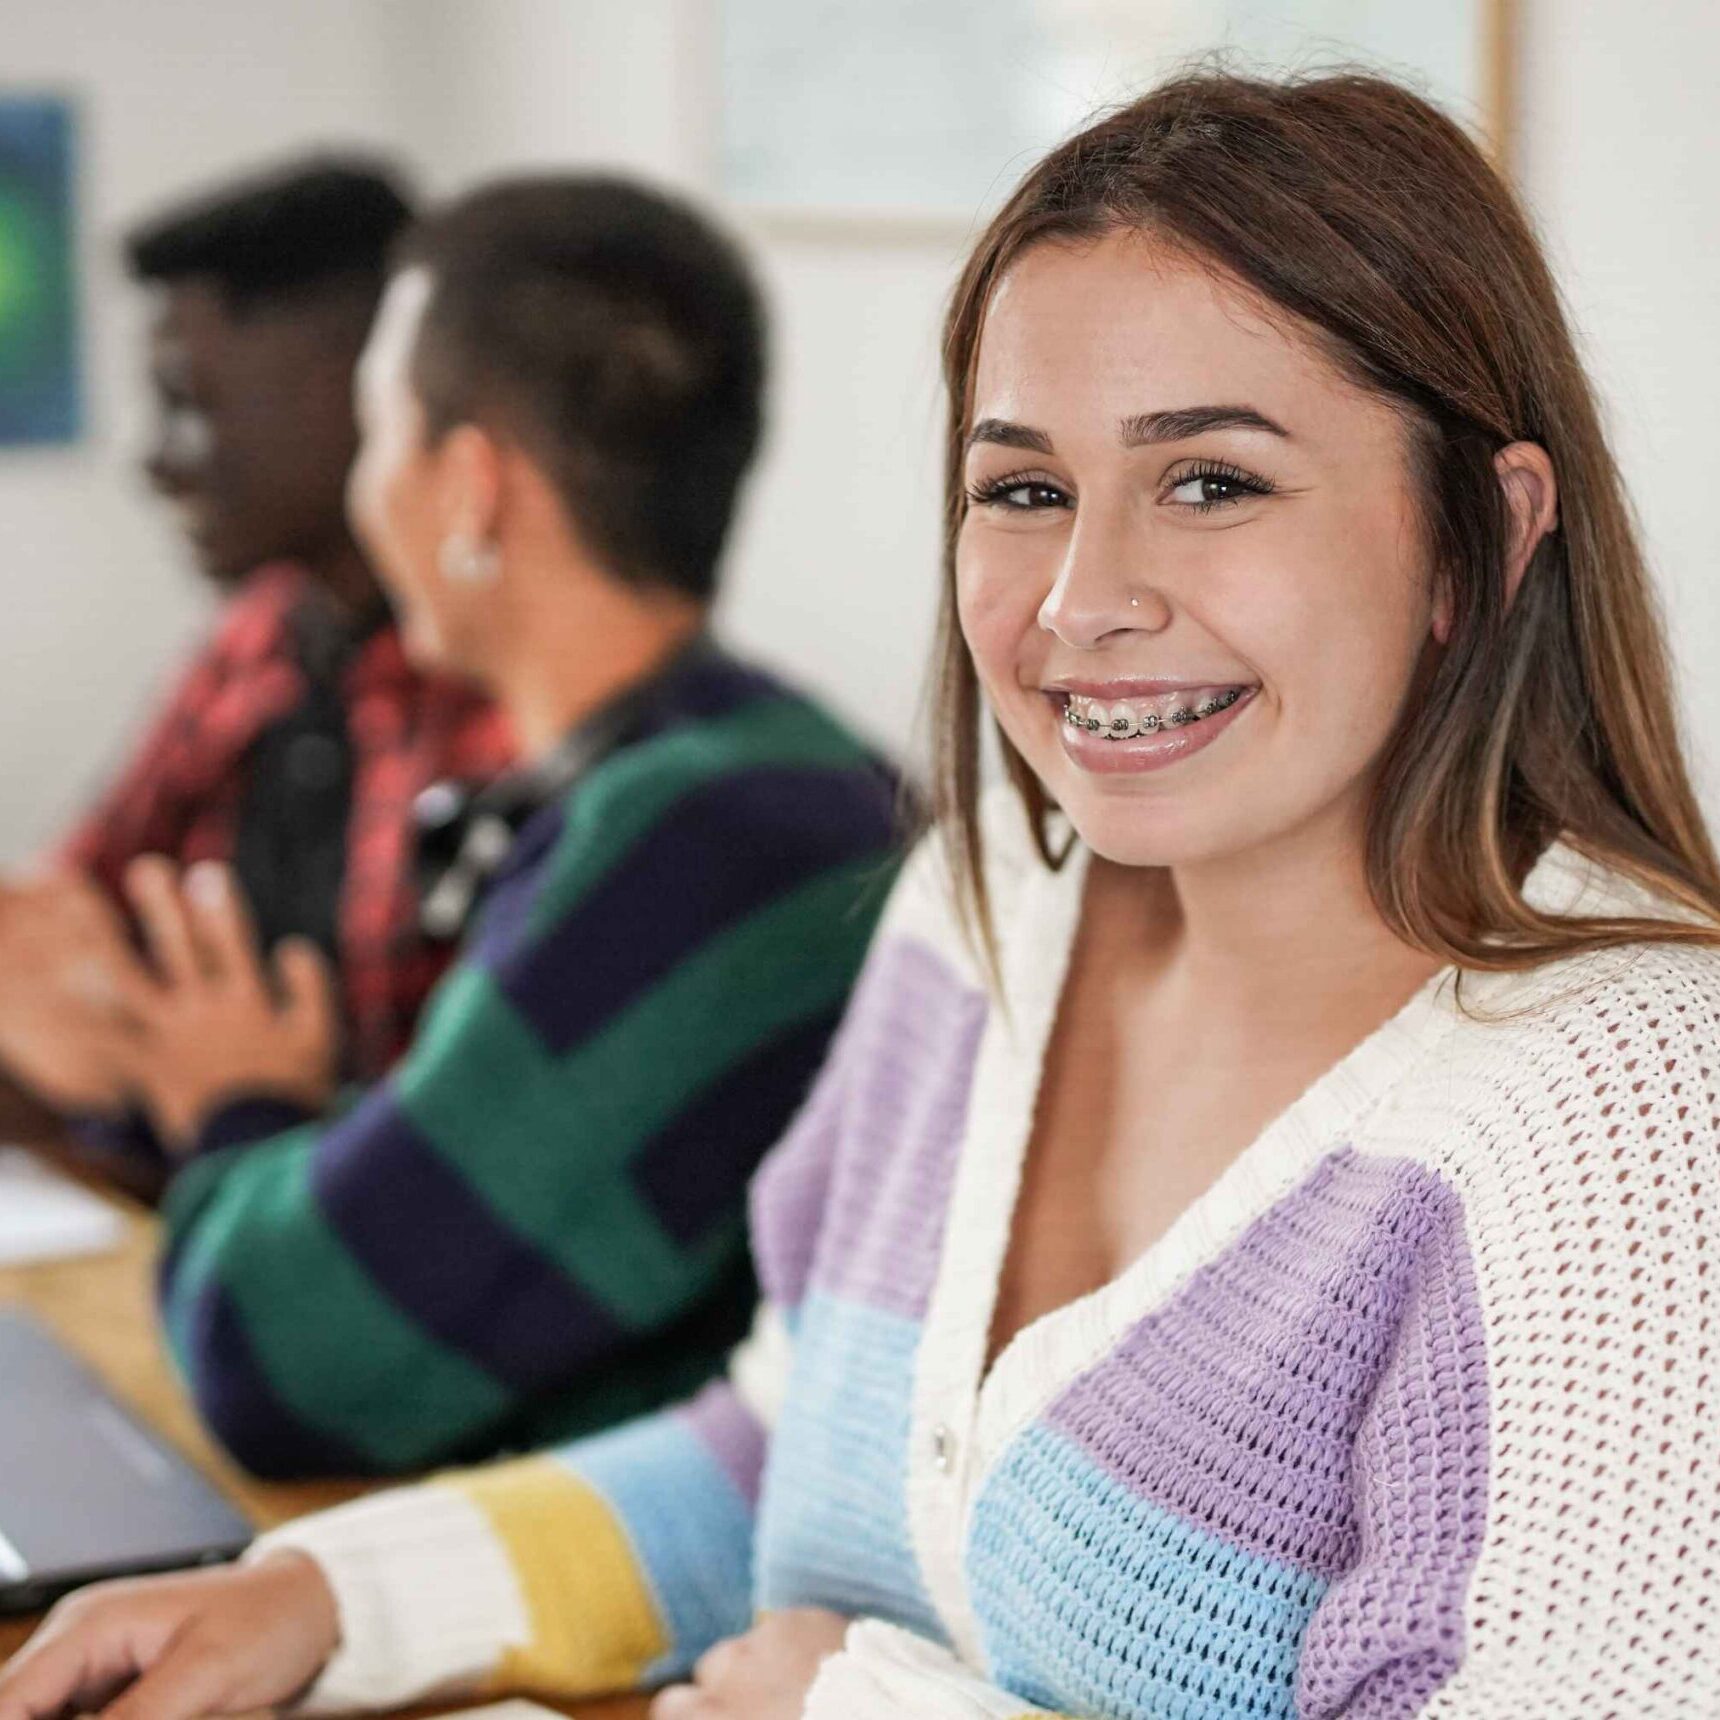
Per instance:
(179,792)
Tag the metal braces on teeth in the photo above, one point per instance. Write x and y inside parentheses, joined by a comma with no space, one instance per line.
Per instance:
(1152,722)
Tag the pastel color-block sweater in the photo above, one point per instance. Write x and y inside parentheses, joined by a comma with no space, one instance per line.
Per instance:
(1409,1414)
(535,1226)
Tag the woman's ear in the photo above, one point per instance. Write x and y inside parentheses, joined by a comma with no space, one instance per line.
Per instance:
(1531,503)
(1532,510)
(1441,609)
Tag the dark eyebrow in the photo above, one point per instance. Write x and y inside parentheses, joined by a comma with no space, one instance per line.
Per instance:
(1186,421)
(1137,432)
(1007,435)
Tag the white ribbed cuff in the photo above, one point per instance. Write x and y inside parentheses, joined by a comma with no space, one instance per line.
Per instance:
(428,1602)
(883,1673)
(760,1365)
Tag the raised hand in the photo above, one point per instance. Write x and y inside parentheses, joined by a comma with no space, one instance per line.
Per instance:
(66,965)
(215,1020)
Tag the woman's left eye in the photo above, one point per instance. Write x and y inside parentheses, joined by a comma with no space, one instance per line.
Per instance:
(1205,490)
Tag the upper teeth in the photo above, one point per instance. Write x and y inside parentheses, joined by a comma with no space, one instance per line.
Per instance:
(1124,719)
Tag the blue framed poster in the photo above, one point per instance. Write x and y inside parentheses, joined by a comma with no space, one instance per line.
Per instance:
(39,384)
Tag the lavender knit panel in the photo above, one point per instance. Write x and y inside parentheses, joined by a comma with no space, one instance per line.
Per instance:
(1391,1630)
(1314,1398)
(854,1198)
(1239,1403)
(730,1433)
(877,1157)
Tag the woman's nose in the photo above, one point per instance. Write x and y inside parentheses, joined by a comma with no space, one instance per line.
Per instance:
(1101,589)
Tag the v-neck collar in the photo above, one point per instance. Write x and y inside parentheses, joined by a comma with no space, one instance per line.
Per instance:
(963,1414)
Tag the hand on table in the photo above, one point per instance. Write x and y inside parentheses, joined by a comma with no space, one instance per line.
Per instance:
(65,966)
(180,1647)
(216,1019)
(763,1675)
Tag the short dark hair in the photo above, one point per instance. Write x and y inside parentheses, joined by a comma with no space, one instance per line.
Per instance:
(620,338)
(293,229)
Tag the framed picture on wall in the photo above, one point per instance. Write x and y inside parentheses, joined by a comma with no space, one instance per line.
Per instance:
(39,387)
(916,112)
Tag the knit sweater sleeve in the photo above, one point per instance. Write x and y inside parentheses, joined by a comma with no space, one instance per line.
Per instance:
(1538,1494)
(609,1564)
(535,1226)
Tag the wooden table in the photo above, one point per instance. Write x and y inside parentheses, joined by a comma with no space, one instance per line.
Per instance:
(103,1308)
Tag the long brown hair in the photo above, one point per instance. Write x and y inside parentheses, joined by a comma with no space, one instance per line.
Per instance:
(1368,215)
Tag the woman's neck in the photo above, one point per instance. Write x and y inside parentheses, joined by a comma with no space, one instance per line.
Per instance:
(1265,933)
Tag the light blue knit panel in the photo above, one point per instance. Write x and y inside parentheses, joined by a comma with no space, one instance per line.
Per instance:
(691,1530)
(1094,1602)
(832,1524)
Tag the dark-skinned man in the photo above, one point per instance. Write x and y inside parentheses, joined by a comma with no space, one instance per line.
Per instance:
(297,741)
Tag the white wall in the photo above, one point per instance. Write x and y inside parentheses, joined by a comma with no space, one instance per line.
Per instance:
(1620,135)
(834,569)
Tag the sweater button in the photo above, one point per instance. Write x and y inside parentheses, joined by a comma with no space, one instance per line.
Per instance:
(943,1449)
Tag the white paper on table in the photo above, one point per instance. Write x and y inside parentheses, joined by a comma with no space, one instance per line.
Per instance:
(45,1216)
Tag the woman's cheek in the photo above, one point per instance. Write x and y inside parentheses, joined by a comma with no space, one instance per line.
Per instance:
(997,604)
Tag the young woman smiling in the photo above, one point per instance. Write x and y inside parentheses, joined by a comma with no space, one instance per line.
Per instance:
(1247,1252)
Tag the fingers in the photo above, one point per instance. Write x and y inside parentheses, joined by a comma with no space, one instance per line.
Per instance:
(152,885)
(222,926)
(199,928)
(87,1649)
(683,1702)
(195,1676)
(718,1665)
(720,1661)
(307,987)
(53,1673)
(205,1643)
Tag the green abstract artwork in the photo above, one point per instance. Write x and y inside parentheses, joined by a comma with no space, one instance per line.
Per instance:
(39,393)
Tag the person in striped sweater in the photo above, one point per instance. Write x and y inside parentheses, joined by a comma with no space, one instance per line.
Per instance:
(533,1225)
(1248,1251)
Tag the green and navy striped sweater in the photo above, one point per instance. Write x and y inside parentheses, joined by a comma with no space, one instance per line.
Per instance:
(535,1226)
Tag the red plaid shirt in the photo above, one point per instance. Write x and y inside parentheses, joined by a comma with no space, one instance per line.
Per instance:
(182,791)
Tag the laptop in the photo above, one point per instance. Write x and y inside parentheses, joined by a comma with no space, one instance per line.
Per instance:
(85,1491)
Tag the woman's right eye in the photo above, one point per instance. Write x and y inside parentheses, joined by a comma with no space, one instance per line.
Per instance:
(1017,493)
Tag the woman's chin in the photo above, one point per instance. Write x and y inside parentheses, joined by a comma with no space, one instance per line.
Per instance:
(1164,831)
(1123,845)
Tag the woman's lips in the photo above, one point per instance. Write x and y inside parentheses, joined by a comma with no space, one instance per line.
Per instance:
(1107,756)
